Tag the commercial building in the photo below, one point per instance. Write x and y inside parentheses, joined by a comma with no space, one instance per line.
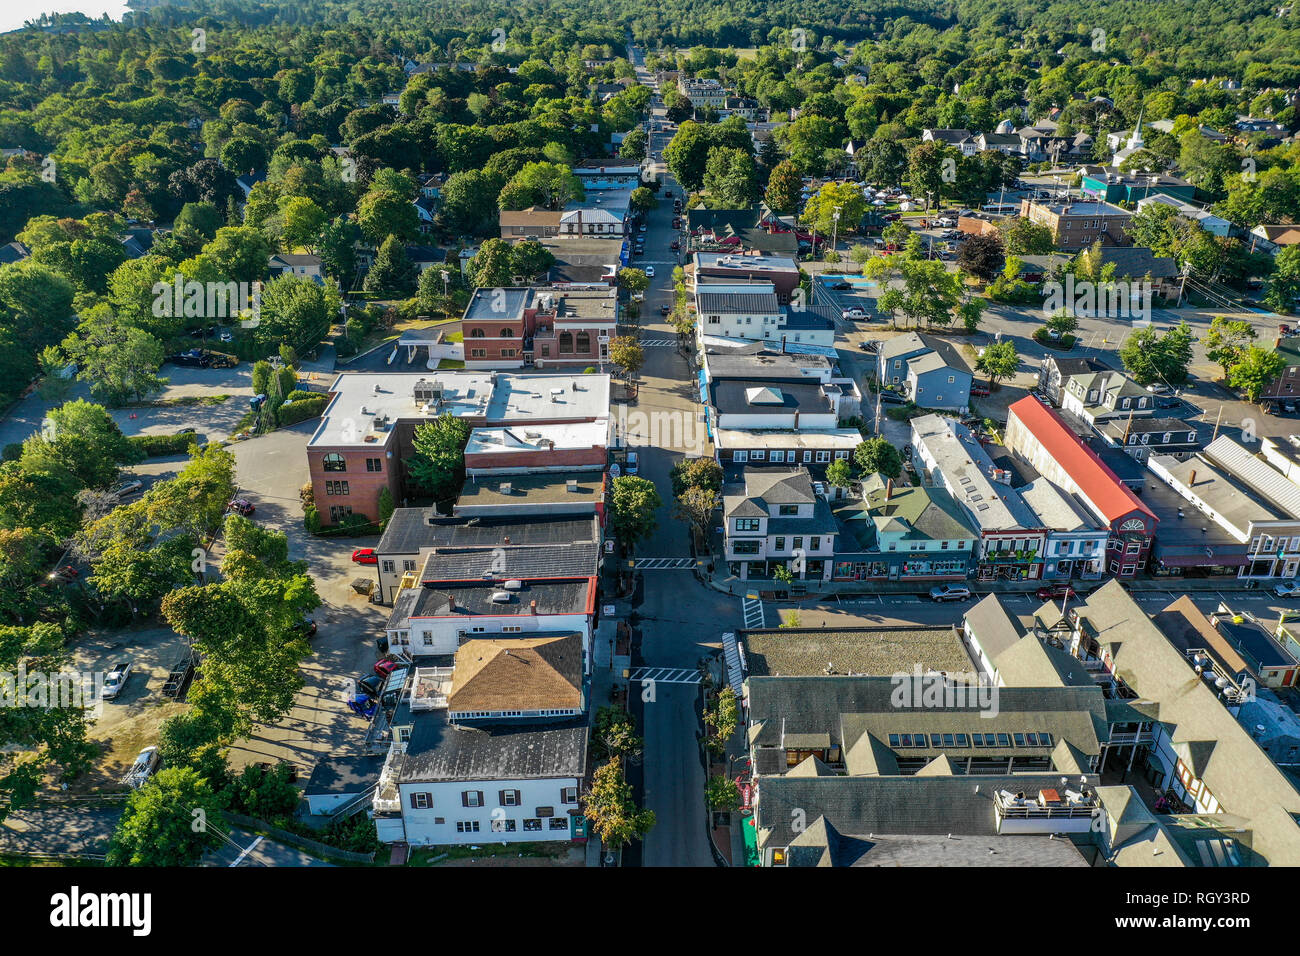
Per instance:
(544,327)
(1078,224)
(776,519)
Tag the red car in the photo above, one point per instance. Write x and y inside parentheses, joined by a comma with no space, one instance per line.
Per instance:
(241,506)
(1055,592)
(65,574)
(365,556)
(385,667)
(979,390)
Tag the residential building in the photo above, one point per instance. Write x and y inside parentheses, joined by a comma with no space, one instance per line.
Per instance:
(702,92)
(599,175)
(1103,396)
(1039,436)
(1286,387)
(1054,370)
(751,311)
(960,139)
(1144,437)
(1214,225)
(300,265)
(1075,547)
(1077,224)
(902,533)
(927,369)
(739,230)
(762,404)
(1273,238)
(776,518)
(1010,538)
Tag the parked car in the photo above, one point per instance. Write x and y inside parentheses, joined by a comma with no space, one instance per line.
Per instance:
(839,286)
(892,398)
(385,667)
(979,391)
(1287,589)
(363,706)
(364,556)
(631,467)
(677,224)
(128,486)
(649,272)
(854,313)
(1288,408)
(142,768)
(116,679)
(241,506)
(1168,402)
(1055,592)
(370,685)
(65,574)
(949,592)
(665,309)
(194,358)
(306,627)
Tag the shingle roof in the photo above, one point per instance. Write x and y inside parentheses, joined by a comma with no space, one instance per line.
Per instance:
(438,750)
(542,673)
(878,651)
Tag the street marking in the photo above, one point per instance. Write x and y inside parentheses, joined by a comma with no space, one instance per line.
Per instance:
(664,675)
(247,850)
(755,615)
(664,564)
(657,343)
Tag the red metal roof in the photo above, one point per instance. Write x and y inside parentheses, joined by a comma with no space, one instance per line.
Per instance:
(1093,476)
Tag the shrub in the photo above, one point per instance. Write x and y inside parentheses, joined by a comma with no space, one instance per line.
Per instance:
(158,446)
(311,519)
(299,410)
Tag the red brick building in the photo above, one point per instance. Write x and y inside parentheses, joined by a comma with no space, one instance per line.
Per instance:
(563,325)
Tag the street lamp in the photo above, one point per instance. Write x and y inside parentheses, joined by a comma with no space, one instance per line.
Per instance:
(835,227)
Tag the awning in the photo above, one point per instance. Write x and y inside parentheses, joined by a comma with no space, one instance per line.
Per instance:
(1202,560)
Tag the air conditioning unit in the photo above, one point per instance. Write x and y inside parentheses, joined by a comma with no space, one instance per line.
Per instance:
(501,597)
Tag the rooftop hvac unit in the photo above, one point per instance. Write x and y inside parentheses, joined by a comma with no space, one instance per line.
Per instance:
(571,485)
(501,597)
(505,488)
(513,585)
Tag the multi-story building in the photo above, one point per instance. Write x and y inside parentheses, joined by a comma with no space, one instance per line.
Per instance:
(1101,396)
(733,267)
(546,327)
(1037,435)
(776,518)
(505,450)
(926,369)
(1078,224)
(902,533)
(365,434)
(1011,539)
(1075,547)
(751,311)
(702,92)
(1141,438)
(1054,371)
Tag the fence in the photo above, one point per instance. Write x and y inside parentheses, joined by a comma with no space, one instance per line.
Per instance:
(301,842)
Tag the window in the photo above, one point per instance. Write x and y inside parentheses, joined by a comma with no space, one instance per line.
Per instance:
(421,801)
(388,567)
(841,454)
(584,342)
(471,798)
(503,826)
(569,795)
(532,823)
(744,547)
(740,456)
(476,334)
(507,334)
(760,454)
(408,565)
(778,456)
(467,826)
(787,511)
(339,512)
(334,462)
(374,464)
(778,544)
(798,543)
(336,487)
(566,342)
(478,353)
(746,524)
(545,811)
(822,457)
(559,823)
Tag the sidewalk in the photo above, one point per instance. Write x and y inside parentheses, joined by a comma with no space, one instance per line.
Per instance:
(607,668)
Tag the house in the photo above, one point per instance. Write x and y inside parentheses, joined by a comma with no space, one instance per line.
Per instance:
(1138,265)
(1109,184)
(364,436)
(135,242)
(776,519)
(1286,387)
(248,180)
(751,311)
(426,257)
(1267,661)
(1055,370)
(960,139)
(571,325)
(1007,143)
(745,107)
(1273,238)
(1105,395)
(1190,745)
(738,230)
(503,546)
(426,210)
(13,252)
(902,533)
(765,404)
(340,781)
(599,175)
(1144,437)
(304,266)
(1010,538)
(1039,436)
(926,369)
(1077,224)
(1214,225)
(702,92)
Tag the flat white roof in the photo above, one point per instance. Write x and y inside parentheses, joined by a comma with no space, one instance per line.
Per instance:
(525,438)
(835,438)
(362,398)
(967,468)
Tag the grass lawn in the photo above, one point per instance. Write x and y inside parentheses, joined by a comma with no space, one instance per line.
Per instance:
(434,855)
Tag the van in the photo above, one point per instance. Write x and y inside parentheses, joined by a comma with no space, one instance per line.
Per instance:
(631,466)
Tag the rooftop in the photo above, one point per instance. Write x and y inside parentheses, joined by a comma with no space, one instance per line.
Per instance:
(1257,474)
(801,652)
(967,468)
(544,488)
(744,264)
(765,396)
(410,530)
(439,750)
(530,673)
(565,436)
(537,596)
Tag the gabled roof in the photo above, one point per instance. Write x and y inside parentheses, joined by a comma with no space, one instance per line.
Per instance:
(1101,486)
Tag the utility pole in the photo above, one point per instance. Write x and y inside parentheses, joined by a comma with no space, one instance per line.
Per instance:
(835,227)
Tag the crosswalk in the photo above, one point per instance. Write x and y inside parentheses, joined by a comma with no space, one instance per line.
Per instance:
(657,343)
(664,564)
(640,676)
(755,615)
(735,659)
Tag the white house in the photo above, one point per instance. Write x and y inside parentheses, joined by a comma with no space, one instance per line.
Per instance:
(776,518)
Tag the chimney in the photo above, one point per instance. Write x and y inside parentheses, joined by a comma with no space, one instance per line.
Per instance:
(451,602)
(1191,481)
(889,489)
(532,607)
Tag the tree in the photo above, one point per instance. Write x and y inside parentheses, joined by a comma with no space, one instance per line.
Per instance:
(438,465)
(119,362)
(721,794)
(393,273)
(1284,285)
(634,144)
(625,352)
(80,439)
(613,734)
(469,203)
(301,221)
(999,361)
(720,720)
(982,256)
(731,178)
(819,213)
(633,508)
(381,214)
(784,188)
(548,185)
(1254,370)
(878,456)
(1226,341)
(1150,357)
(1021,237)
(165,822)
(614,816)
(702,472)
(696,506)
(492,266)
(839,473)
(643,199)
(633,280)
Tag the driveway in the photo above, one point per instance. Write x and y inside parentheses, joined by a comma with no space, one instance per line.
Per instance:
(61,826)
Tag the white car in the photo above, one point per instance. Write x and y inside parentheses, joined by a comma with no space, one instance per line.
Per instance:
(1286,589)
(631,467)
(649,272)
(145,764)
(116,679)
(854,313)
(949,592)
